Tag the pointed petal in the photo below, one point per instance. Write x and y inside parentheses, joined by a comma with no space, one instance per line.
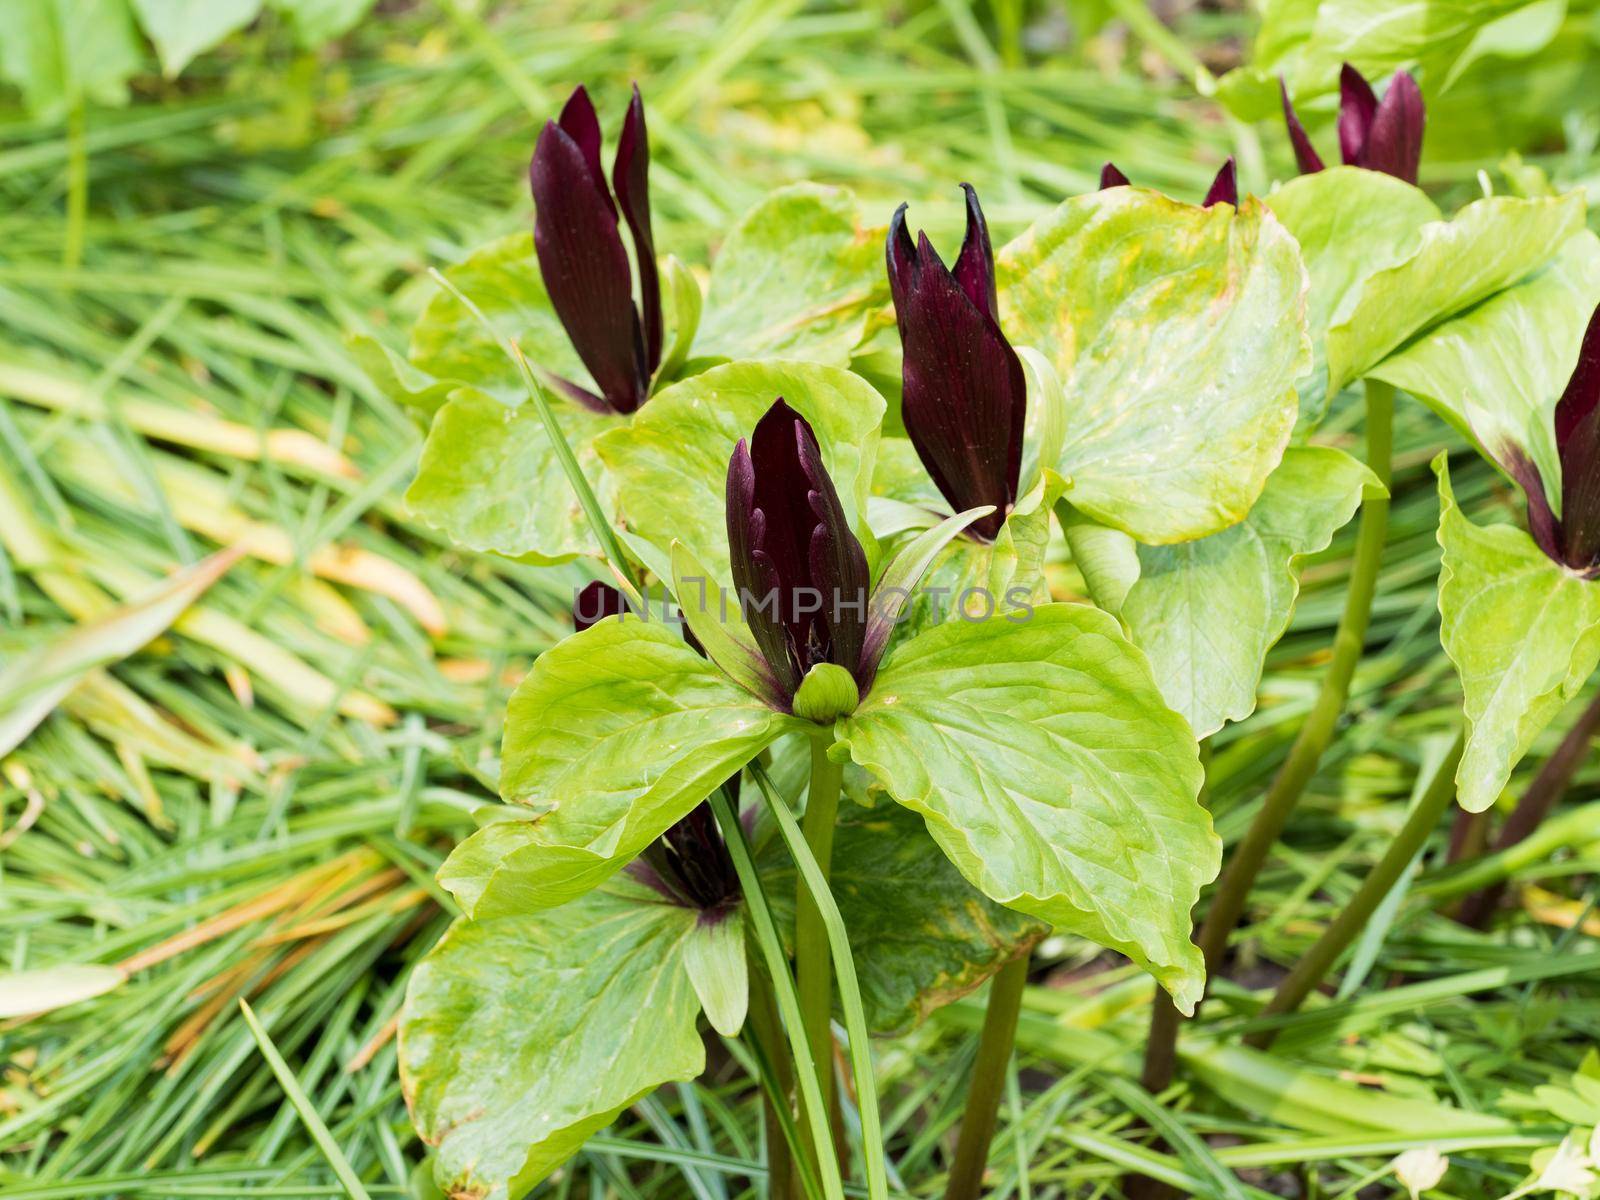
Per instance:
(754,578)
(581,395)
(1358,104)
(697,856)
(1224,188)
(902,258)
(630,175)
(809,569)
(1542,523)
(780,493)
(964,397)
(974,269)
(585,267)
(595,603)
(579,122)
(1394,142)
(837,561)
(1305,154)
(1578,439)
(1110,177)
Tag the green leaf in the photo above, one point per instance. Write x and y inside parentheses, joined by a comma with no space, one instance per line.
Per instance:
(502,279)
(399,379)
(1523,632)
(715,621)
(615,734)
(319,21)
(670,464)
(1178,333)
(491,478)
(796,278)
(63,53)
(1206,612)
(920,934)
(1496,371)
(714,955)
(1489,245)
(524,1035)
(182,29)
(1052,774)
(899,601)
(1306,41)
(1350,224)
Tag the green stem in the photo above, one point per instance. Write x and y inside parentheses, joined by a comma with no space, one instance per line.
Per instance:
(1315,964)
(768,1034)
(989,1072)
(1233,889)
(827,1181)
(813,966)
(77,187)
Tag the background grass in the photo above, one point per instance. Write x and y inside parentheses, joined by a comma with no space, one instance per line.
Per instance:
(253,806)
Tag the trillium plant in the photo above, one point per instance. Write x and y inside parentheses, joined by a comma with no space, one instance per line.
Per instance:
(829,746)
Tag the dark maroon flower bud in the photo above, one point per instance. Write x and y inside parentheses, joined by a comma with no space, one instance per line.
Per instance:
(1573,538)
(595,603)
(584,265)
(801,574)
(1379,135)
(1224,187)
(964,397)
(689,864)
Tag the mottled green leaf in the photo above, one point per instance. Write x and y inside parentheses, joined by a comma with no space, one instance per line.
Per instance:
(920,934)
(1178,333)
(670,464)
(1489,245)
(1523,632)
(490,478)
(1052,774)
(1496,371)
(615,734)
(502,279)
(795,278)
(1350,224)
(1206,612)
(182,29)
(63,53)
(524,1035)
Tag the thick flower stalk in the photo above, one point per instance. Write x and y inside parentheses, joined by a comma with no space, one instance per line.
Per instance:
(801,573)
(964,399)
(1379,135)
(1571,539)
(1224,187)
(578,238)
